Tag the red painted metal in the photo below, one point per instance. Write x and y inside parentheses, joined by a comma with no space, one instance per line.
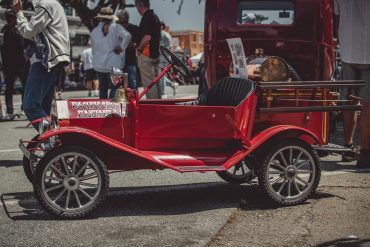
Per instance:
(307,44)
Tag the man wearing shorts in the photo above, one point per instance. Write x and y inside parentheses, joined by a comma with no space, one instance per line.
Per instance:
(354,40)
(91,79)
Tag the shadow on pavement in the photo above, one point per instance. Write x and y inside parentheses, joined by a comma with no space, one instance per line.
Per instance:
(352,241)
(154,200)
(10,163)
(331,166)
(261,202)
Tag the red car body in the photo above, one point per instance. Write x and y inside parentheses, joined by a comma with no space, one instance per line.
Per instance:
(169,134)
(307,45)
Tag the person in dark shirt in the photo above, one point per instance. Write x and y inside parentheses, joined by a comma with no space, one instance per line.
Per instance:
(148,48)
(14,62)
(130,64)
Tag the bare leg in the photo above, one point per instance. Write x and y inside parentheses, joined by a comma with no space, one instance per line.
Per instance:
(364,125)
(96,87)
(89,85)
(349,126)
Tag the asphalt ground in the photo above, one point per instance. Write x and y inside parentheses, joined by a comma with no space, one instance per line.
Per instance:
(165,208)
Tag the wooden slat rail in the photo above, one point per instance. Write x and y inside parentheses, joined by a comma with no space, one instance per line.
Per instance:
(311,109)
(309,84)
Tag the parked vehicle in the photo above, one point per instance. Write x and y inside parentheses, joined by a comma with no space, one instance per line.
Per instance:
(70,160)
(270,126)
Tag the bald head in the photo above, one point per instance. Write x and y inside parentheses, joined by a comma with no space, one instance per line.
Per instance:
(123,16)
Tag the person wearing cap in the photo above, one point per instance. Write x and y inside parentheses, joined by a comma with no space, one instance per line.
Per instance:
(109,41)
(14,63)
(130,64)
(49,53)
(148,48)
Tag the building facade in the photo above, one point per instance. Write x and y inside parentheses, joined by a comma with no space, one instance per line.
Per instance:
(189,40)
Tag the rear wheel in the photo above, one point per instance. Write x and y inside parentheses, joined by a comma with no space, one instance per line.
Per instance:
(290,173)
(238,174)
(70,182)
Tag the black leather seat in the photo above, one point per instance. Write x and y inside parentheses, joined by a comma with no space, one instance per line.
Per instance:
(228,92)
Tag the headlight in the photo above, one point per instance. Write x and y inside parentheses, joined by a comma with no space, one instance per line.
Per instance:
(44,126)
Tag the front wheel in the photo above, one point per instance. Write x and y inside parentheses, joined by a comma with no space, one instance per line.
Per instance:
(290,173)
(28,165)
(70,182)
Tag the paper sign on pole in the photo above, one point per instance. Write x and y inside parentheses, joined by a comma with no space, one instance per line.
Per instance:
(238,55)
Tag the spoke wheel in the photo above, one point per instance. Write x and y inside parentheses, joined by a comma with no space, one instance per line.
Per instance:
(29,167)
(70,182)
(238,174)
(290,173)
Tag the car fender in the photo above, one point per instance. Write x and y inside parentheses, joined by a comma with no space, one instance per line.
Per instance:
(265,136)
(106,140)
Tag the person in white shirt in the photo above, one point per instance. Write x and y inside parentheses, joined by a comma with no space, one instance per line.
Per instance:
(109,41)
(91,79)
(354,41)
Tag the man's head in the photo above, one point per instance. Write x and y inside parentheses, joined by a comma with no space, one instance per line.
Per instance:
(105,15)
(142,6)
(123,16)
(10,17)
(163,26)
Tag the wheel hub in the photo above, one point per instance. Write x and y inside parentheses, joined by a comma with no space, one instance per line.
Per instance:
(71,183)
(290,172)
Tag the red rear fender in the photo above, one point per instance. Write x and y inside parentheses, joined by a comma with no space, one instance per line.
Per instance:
(272,136)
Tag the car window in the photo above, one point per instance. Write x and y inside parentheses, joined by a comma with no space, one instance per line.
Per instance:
(266,12)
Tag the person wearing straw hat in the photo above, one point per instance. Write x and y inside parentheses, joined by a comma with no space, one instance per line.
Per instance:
(109,41)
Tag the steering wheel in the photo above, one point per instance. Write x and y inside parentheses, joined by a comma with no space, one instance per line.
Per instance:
(178,66)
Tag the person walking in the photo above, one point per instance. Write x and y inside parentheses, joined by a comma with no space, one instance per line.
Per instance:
(109,41)
(49,52)
(166,41)
(148,48)
(130,64)
(91,79)
(14,62)
(354,40)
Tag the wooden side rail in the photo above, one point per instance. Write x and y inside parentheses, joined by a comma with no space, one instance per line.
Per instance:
(310,109)
(309,84)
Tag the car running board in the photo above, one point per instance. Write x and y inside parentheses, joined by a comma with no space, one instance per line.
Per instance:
(333,148)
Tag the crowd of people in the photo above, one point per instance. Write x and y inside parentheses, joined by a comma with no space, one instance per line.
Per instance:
(37,50)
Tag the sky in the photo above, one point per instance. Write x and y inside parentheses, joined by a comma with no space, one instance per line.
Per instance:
(192,14)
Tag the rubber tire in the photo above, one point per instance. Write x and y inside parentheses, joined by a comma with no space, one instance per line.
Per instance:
(264,182)
(228,177)
(225,175)
(38,179)
(26,162)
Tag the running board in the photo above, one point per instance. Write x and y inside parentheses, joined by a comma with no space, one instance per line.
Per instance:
(333,148)
(201,168)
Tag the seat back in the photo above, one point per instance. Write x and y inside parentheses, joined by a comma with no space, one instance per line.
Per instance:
(229,92)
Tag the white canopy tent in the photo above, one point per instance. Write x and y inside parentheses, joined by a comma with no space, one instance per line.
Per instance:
(195,59)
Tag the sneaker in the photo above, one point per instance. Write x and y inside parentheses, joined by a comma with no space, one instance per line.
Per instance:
(364,160)
(349,156)
(9,117)
(174,86)
(164,96)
